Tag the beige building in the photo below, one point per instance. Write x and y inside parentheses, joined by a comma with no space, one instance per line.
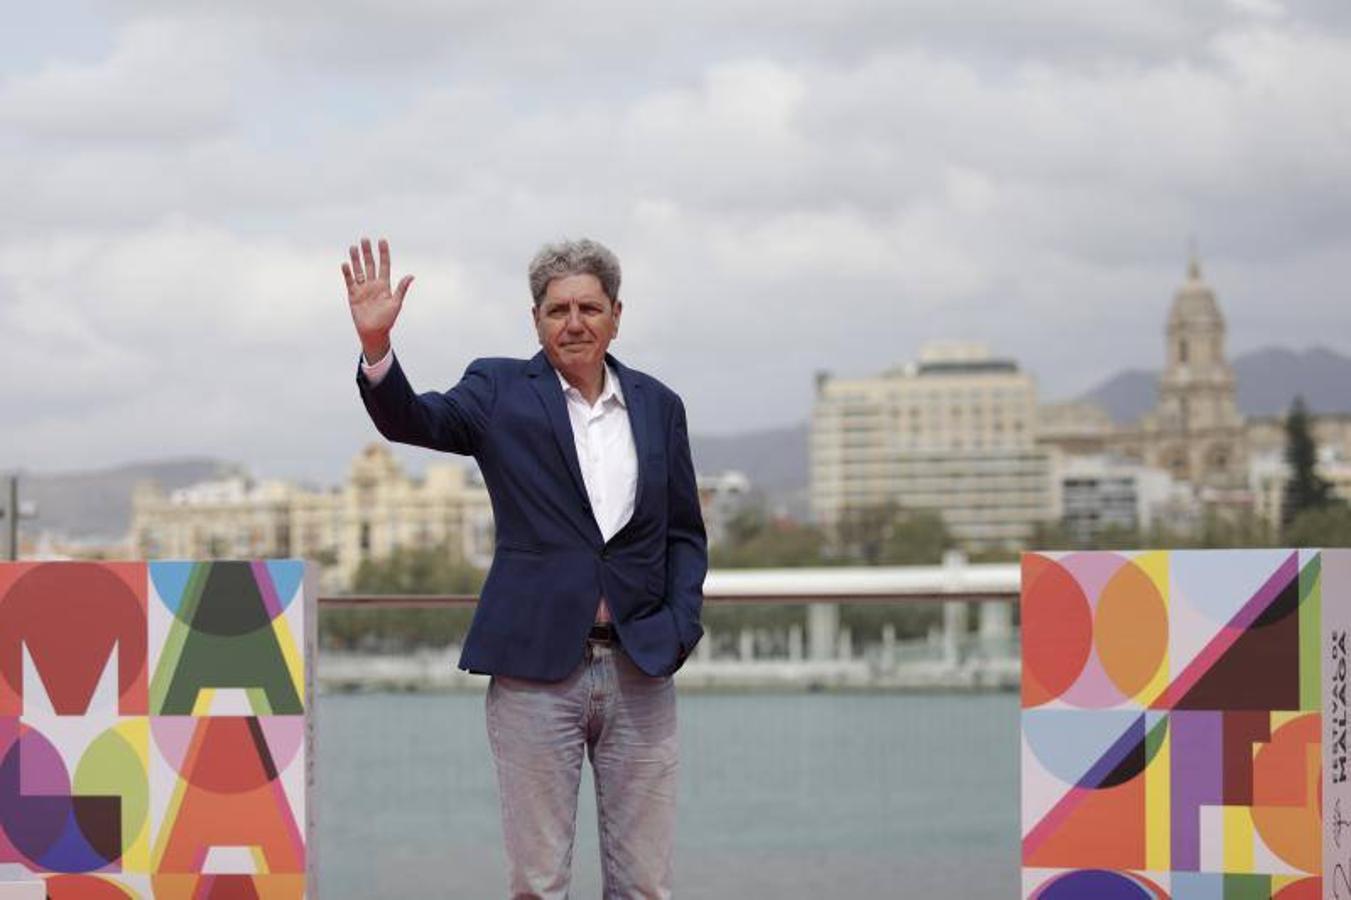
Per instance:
(230,517)
(1195,432)
(1331,434)
(1268,471)
(954,433)
(379,509)
(1270,474)
(1098,493)
(1075,428)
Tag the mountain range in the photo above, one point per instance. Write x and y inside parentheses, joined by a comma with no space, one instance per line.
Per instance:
(1266,380)
(98,503)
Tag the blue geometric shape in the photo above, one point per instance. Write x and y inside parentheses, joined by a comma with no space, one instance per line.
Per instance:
(171,580)
(1123,761)
(1217,583)
(1070,743)
(286,576)
(1093,884)
(72,853)
(1198,886)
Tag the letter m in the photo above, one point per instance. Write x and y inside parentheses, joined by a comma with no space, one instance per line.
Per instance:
(72,618)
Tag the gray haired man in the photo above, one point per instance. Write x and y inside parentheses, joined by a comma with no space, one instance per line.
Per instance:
(594,595)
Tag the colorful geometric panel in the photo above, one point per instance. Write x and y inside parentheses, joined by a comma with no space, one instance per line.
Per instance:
(1184,725)
(155,740)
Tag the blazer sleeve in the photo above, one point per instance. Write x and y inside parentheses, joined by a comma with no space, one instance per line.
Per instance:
(453,421)
(686,543)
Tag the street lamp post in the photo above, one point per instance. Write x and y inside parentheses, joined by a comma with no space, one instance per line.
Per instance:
(12,513)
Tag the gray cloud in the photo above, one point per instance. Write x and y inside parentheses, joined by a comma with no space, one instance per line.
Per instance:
(790,189)
(162,82)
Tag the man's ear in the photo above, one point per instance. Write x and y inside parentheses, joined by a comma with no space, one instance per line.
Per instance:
(619,308)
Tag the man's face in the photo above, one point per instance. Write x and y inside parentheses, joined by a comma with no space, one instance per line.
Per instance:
(576,322)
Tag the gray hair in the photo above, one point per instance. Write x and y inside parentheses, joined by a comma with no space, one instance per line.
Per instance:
(584,257)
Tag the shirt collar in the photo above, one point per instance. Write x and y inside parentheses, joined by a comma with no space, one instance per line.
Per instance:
(610,389)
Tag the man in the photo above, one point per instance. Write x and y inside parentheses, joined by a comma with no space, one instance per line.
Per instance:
(593,598)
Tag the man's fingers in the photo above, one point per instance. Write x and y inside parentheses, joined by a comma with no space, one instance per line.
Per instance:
(347,277)
(403,287)
(357,274)
(384,260)
(368,257)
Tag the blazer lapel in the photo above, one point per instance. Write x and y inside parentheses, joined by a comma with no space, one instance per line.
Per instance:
(635,398)
(545,382)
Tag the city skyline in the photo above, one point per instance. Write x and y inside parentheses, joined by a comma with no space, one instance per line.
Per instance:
(1121,383)
(789,193)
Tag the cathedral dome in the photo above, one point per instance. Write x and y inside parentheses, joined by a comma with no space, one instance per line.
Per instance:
(1194,303)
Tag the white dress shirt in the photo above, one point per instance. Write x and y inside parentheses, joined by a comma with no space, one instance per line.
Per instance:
(605,452)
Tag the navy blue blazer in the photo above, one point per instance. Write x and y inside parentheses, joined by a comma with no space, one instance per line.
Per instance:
(550,567)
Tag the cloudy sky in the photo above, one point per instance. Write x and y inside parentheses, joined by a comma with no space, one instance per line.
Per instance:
(791,187)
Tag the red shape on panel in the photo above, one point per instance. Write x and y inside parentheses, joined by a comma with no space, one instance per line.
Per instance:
(1287,792)
(71,616)
(228,887)
(84,887)
(231,798)
(1102,829)
(1057,629)
(1242,732)
(1304,889)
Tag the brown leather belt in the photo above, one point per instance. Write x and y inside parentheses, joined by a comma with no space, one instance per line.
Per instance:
(603,633)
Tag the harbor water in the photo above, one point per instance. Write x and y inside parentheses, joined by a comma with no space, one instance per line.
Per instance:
(793,796)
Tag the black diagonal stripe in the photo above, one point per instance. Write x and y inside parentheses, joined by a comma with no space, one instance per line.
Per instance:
(264,753)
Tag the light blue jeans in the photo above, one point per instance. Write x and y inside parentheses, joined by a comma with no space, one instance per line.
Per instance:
(625,720)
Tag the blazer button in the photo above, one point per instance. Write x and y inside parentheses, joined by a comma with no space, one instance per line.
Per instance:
(604,553)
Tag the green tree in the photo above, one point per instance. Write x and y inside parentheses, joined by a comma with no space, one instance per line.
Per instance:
(916,538)
(754,540)
(408,570)
(1051,536)
(418,570)
(1305,489)
(1217,528)
(888,534)
(880,534)
(1326,526)
(1233,528)
(1057,536)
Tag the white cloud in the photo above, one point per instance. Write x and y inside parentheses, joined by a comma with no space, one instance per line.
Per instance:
(163,81)
(196,339)
(816,188)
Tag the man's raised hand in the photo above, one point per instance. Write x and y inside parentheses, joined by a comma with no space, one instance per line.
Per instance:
(374,306)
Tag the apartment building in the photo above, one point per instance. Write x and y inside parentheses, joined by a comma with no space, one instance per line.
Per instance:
(378,509)
(953,432)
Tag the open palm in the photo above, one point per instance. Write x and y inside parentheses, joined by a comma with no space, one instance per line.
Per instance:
(374,306)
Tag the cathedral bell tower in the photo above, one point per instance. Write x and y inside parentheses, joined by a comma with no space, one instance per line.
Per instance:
(1199,437)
